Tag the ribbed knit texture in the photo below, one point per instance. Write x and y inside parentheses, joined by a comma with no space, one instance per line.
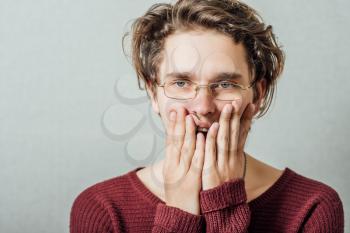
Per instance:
(293,203)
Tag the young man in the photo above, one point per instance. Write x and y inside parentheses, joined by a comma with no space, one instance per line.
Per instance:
(209,67)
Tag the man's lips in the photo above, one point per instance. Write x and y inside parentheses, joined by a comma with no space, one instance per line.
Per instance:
(202,130)
(201,125)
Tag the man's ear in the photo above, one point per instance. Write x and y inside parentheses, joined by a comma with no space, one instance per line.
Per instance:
(260,88)
(153,97)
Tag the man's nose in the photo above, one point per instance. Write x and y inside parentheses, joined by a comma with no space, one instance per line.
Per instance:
(204,102)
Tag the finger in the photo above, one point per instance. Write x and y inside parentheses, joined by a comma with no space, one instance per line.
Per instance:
(246,121)
(223,137)
(189,143)
(210,147)
(170,126)
(179,133)
(170,159)
(198,157)
(234,128)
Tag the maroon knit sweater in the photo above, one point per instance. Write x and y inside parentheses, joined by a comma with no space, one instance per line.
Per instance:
(293,203)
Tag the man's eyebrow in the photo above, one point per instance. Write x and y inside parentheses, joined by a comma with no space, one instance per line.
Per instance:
(178,75)
(228,76)
(219,76)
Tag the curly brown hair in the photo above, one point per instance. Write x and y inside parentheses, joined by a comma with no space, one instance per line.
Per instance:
(231,17)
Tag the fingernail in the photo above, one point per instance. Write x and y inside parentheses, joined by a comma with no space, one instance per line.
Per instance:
(215,125)
(237,103)
(172,115)
(188,118)
(228,108)
(181,114)
(195,115)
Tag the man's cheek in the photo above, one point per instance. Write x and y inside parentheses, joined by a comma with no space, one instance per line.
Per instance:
(172,105)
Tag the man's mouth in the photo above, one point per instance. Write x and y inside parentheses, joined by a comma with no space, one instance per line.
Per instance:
(202,130)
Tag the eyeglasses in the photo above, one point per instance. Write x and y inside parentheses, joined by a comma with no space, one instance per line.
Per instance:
(186,90)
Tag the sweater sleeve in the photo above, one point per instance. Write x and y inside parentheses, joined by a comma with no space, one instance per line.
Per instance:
(225,208)
(326,216)
(173,219)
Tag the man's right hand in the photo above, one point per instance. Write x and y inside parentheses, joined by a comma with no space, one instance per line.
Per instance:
(182,169)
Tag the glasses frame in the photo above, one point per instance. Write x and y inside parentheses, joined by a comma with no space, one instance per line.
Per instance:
(198,86)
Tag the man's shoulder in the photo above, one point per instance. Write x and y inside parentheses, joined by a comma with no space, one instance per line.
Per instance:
(106,191)
(311,189)
(93,209)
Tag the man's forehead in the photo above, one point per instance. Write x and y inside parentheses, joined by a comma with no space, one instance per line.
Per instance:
(194,47)
(206,55)
(216,64)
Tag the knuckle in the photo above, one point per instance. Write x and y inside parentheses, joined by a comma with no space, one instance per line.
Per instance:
(222,147)
(223,138)
(184,150)
(234,130)
(177,140)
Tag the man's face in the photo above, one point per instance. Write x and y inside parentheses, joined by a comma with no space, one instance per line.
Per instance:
(203,56)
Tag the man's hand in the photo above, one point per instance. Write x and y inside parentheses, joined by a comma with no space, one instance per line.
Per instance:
(224,147)
(182,170)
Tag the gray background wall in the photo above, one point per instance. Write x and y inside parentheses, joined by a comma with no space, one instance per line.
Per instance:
(59,66)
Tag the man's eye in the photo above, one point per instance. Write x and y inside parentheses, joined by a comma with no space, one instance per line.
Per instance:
(181,83)
(227,85)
